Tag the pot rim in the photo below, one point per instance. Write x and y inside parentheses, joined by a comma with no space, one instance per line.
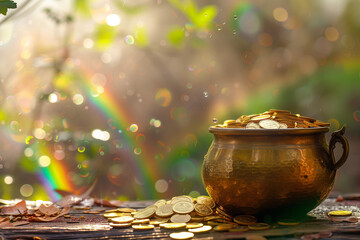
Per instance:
(262,131)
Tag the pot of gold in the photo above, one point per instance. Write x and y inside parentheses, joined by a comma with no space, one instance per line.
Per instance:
(273,163)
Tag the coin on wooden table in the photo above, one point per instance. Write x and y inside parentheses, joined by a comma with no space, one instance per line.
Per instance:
(183,207)
(340,213)
(145,213)
(181,235)
(288,222)
(123,219)
(206,201)
(143,227)
(203,229)
(158,221)
(165,210)
(239,229)
(223,227)
(141,221)
(180,218)
(203,210)
(245,219)
(126,210)
(269,124)
(252,125)
(172,225)
(259,226)
(120,225)
(113,214)
(194,225)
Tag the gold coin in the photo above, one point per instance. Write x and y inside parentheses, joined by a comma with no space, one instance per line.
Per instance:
(340,213)
(126,210)
(223,213)
(203,210)
(288,222)
(223,227)
(252,125)
(183,207)
(141,221)
(269,124)
(180,218)
(120,225)
(260,117)
(239,229)
(194,225)
(245,219)
(114,214)
(203,229)
(206,201)
(160,203)
(259,226)
(210,218)
(145,213)
(165,210)
(111,211)
(183,198)
(181,235)
(143,227)
(172,225)
(158,221)
(123,219)
(197,219)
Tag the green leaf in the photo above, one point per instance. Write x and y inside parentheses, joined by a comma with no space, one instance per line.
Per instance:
(83,7)
(206,16)
(202,19)
(176,36)
(141,36)
(5,4)
(104,36)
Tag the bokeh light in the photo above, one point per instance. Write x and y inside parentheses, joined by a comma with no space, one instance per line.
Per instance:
(280,14)
(129,40)
(8,179)
(113,20)
(163,97)
(133,128)
(78,99)
(26,190)
(44,161)
(161,185)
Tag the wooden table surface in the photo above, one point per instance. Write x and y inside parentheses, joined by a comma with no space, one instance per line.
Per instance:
(95,226)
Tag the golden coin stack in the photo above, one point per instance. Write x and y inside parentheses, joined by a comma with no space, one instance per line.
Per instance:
(273,119)
(197,215)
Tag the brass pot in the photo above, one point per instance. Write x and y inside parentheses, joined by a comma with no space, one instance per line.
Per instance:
(282,172)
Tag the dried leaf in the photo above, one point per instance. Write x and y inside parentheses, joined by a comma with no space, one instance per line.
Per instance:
(18,209)
(108,203)
(75,199)
(63,211)
(48,210)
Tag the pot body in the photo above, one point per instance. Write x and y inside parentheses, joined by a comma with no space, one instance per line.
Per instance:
(285,172)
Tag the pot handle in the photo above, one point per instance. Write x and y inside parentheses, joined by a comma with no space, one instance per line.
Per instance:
(337,136)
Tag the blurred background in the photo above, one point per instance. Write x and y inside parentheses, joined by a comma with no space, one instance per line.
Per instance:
(124,91)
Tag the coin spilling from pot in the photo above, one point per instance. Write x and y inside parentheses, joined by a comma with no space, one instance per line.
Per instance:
(273,119)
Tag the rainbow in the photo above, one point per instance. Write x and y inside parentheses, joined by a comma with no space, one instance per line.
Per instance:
(54,176)
(108,106)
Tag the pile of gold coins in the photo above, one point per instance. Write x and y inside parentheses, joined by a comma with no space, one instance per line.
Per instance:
(194,216)
(273,119)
